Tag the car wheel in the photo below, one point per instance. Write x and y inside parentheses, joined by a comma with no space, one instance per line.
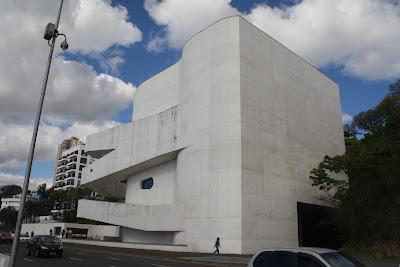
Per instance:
(37,253)
(59,255)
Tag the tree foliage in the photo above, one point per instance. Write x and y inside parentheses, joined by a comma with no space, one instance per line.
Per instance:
(8,218)
(369,203)
(9,190)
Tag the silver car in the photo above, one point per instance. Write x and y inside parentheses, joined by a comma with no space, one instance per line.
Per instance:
(303,257)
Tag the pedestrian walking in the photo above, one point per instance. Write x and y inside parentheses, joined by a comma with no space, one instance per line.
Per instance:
(63,233)
(32,234)
(217,245)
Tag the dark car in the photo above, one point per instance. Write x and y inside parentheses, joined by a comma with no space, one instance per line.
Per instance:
(6,237)
(44,245)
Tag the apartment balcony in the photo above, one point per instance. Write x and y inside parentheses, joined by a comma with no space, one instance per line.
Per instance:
(59,177)
(58,185)
(72,161)
(71,167)
(60,167)
(72,170)
(142,217)
(61,173)
(73,155)
(57,182)
(61,164)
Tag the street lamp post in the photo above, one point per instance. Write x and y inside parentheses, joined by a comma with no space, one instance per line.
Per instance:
(50,35)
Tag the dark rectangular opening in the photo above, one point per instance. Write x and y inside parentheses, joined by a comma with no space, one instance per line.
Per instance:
(317,226)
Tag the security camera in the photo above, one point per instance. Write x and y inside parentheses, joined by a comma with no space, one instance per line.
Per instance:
(64,45)
(50,31)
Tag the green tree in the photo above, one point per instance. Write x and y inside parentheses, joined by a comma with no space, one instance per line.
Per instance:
(8,219)
(369,202)
(10,190)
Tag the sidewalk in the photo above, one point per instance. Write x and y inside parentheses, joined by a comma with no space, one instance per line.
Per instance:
(4,260)
(112,244)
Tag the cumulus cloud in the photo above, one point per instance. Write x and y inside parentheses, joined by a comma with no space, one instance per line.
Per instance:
(95,25)
(15,140)
(79,101)
(34,182)
(183,18)
(361,36)
(346,118)
(75,90)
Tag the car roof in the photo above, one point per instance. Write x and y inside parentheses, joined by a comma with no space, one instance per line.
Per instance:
(303,249)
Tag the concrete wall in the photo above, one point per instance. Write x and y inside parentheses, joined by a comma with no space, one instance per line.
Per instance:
(290,119)
(208,181)
(163,190)
(94,231)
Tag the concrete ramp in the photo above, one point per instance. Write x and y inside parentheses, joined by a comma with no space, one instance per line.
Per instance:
(141,217)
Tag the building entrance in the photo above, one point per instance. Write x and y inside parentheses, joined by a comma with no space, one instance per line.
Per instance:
(317,227)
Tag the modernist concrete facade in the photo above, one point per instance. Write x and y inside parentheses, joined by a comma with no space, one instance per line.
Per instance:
(229,135)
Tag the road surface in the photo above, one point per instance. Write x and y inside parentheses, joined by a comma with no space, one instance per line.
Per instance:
(84,256)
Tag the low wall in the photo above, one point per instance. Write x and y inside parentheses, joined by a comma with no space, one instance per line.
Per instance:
(4,260)
(99,232)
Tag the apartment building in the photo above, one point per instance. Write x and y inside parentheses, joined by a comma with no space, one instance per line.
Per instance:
(15,200)
(69,167)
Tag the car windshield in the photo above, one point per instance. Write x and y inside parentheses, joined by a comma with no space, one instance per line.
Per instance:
(340,259)
(49,239)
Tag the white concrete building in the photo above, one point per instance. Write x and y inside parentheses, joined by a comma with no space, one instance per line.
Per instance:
(15,201)
(221,145)
(69,167)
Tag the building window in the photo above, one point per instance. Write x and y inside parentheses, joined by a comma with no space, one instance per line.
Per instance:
(83,160)
(147,183)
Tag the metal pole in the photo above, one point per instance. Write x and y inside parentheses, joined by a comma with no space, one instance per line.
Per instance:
(32,150)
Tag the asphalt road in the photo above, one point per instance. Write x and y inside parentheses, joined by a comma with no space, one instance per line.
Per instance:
(82,255)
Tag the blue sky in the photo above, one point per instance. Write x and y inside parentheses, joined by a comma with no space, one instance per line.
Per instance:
(356,94)
(363,69)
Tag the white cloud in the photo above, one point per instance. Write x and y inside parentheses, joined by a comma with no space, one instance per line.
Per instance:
(79,101)
(15,140)
(34,182)
(75,90)
(360,35)
(346,118)
(157,44)
(95,25)
(183,18)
